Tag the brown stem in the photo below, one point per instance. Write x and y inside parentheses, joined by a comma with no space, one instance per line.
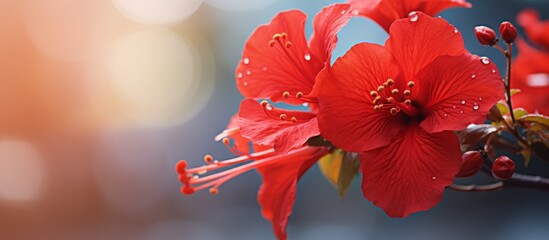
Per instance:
(517,180)
(508,55)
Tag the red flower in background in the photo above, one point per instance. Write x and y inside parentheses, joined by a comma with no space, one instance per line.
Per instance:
(385,12)
(399,104)
(536,30)
(530,71)
(278,64)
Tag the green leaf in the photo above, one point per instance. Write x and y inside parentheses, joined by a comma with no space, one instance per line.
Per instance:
(503,109)
(526,153)
(349,169)
(514,91)
(330,165)
(340,168)
(495,115)
(473,134)
(534,119)
(519,112)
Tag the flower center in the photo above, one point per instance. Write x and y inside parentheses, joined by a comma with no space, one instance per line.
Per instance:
(389,98)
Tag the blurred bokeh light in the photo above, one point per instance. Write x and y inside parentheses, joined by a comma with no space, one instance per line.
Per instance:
(21,171)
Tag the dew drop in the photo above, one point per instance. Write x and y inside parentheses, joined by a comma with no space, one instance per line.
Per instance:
(268,107)
(245,84)
(264,69)
(456,30)
(484,60)
(461,111)
(493,70)
(473,76)
(248,72)
(239,75)
(454,107)
(413,16)
(475,106)
(462,102)
(434,178)
(246,61)
(343,12)
(305,104)
(445,114)
(479,98)
(307,57)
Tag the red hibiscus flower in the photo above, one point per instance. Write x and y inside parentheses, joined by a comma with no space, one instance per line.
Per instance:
(385,12)
(530,74)
(280,173)
(278,64)
(399,104)
(536,30)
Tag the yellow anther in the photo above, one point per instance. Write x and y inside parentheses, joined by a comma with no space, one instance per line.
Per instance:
(276,36)
(373,93)
(225,141)
(377,108)
(208,158)
(394,111)
(283,116)
(408,102)
(390,82)
(264,103)
(288,44)
(299,95)
(214,191)
(407,93)
(386,85)
(394,91)
(390,99)
(286,95)
(272,43)
(376,101)
(284,35)
(380,88)
(411,84)
(293,119)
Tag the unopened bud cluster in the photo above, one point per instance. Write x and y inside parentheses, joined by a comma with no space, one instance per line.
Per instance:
(487,36)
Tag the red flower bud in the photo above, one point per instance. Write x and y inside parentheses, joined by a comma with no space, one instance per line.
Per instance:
(485,35)
(503,168)
(471,162)
(508,32)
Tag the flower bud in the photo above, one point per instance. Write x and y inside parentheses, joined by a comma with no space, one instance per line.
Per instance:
(503,168)
(471,162)
(508,32)
(485,35)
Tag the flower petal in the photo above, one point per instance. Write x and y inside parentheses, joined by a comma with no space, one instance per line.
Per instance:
(536,30)
(410,174)
(266,127)
(457,91)
(273,65)
(277,193)
(417,43)
(327,24)
(385,12)
(346,114)
(531,76)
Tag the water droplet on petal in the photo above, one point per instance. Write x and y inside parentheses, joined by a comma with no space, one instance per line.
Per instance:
(246,61)
(445,114)
(454,107)
(343,12)
(307,56)
(475,106)
(245,84)
(493,70)
(264,69)
(456,30)
(479,98)
(248,73)
(239,75)
(484,60)
(462,102)
(461,111)
(269,107)
(473,76)
(434,178)
(413,16)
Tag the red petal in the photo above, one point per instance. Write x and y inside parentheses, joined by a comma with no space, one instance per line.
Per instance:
(277,193)
(385,12)
(268,71)
(457,91)
(327,24)
(410,174)
(346,114)
(417,43)
(268,129)
(531,76)
(536,30)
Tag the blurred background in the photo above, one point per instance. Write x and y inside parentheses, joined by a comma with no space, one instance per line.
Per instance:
(99,100)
